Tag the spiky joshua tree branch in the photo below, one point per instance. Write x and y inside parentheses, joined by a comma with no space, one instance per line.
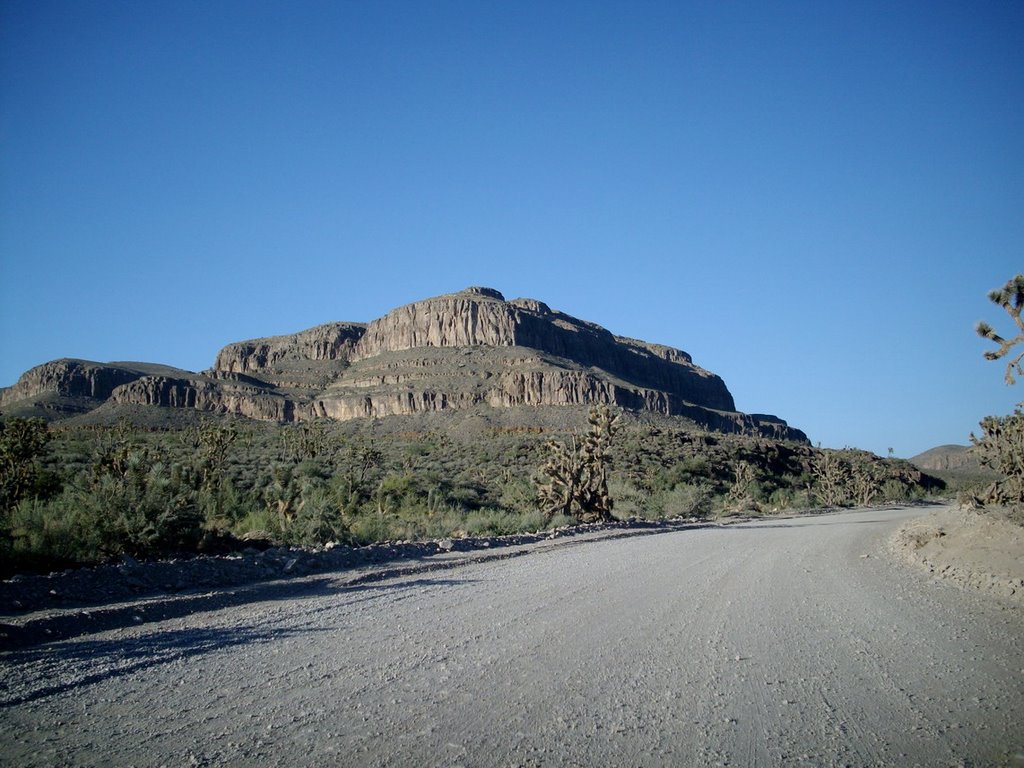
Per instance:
(1011,298)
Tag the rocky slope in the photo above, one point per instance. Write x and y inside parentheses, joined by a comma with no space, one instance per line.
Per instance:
(469,349)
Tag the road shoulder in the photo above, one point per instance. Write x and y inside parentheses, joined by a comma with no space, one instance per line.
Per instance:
(977,550)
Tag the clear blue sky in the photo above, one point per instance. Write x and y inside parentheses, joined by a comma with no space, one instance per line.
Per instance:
(813,199)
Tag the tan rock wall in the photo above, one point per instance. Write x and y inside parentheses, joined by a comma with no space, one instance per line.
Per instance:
(205,395)
(444,322)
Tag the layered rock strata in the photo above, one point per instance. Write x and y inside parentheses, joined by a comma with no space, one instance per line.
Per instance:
(481,317)
(331,341)
(462,350)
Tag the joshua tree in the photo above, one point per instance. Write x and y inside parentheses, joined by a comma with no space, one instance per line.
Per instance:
(1011,298)
(215,441)
(308,440)
(1001,445)
(576,474)
(562,478)
(863,484)
(831,478)
(742,490)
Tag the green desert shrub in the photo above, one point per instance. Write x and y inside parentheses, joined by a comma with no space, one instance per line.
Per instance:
(23,446)
(259,520)
(151,507)
(517,495)
(53,532)
(892,491)
(319,519)
(684,500)
(631,500)
(789,497)
(670,497)
(497,522)
(146,511)
(370,529)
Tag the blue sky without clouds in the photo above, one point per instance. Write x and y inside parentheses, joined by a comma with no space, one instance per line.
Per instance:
(813,199)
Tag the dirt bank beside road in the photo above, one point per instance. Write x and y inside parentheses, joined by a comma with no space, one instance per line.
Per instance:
(978,550)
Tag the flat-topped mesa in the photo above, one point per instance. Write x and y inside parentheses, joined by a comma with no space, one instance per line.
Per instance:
(467,350)
(482,317)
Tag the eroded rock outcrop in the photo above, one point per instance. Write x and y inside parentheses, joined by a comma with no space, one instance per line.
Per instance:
(331,341)
(475,317)
(69,378)
(202,393)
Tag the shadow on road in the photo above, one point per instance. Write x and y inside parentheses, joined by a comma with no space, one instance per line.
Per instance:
(103,660)
(72,623)
(108,659)
(69,625)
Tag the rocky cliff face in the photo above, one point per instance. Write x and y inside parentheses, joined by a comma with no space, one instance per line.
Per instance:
(468,349)
(475,317)
(225,394)
(481,317)
(332,341)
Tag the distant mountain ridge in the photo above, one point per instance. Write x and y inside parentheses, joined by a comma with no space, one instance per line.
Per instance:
(462,350)
(947,457)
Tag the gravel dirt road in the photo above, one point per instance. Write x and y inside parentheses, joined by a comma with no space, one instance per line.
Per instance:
(789,642)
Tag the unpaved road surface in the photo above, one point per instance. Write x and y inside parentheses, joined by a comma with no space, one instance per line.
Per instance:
(791,642)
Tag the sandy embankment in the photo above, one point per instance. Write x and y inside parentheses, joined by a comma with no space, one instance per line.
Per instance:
(979,550)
